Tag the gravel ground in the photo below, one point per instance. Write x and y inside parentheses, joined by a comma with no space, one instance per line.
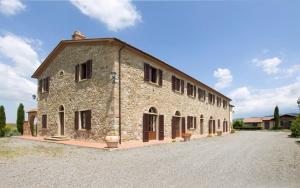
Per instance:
(245,159)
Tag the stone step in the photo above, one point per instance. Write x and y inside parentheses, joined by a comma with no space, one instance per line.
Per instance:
(56,138)
(59,136)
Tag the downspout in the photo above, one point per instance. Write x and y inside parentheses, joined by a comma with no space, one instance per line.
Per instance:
(120,100)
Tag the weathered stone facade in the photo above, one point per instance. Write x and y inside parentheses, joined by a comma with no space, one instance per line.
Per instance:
(100,94)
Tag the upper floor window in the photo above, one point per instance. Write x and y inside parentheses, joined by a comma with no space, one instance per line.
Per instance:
(191,122)
(177,84)
(211,98)
(83,71)
(191,90)
(225,104)
(219,101)
(44,85)
(152,74)
(201,94)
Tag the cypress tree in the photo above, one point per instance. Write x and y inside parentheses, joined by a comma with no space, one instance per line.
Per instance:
(2,120)
(276,118)
(20,118)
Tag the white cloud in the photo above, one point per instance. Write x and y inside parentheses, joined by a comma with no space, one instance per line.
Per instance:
(224,78)
(20,51)
(21,60)
(116,14)
(11,7)
(250,102)
(269,66)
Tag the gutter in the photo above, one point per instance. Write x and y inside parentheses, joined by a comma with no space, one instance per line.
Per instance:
(120,99)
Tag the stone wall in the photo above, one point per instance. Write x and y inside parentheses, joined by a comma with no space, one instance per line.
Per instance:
(95,94)
(138,96)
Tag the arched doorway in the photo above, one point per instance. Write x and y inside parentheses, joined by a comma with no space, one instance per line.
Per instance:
(153,125)
(61,115)
(178,125)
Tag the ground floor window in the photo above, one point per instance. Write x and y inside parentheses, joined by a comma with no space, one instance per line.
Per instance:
(83,120)
(44,121)
(191,122)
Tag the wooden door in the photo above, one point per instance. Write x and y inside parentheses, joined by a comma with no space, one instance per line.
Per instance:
(182,125)
(161,127)
(62,123)
(146,128)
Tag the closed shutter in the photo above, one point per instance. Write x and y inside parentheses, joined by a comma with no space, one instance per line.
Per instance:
(195,122)
(76,120)
(89,66)
(160,77)
(173,127)
(199,91)
(161,127)
(146,128)
(173,82)
(77,73)
(188,122)
(47,84)
(195,91)
(40,85)
(183,125)
(188,89)
(182,86)
(44,121)
(146,71)
(88,119)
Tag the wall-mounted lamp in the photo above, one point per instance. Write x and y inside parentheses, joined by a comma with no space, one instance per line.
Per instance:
(113,76)
(34,97)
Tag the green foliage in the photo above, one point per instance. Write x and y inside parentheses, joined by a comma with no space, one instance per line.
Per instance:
(237,124)
(2,121)
(295,128)
(20,118)
(276,118)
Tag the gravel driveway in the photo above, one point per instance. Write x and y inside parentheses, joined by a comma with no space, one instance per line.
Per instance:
(245,159)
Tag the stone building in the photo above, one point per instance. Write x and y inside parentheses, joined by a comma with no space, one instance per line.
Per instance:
(90,87)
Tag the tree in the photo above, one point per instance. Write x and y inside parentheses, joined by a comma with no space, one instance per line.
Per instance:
(238,124)
(2,121)
(295,128)
(276,118)
(20,118)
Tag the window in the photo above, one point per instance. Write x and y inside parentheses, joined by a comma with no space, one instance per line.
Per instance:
(191,122)
(177,84)
(152,74)
(44,121)
(83,71)
(219,101)
(83,120)
(225,104)
(211,98)
(201,94)
(201,124)
(44,85)
(191,90)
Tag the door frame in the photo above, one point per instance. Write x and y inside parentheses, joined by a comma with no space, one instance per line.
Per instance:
(61,111)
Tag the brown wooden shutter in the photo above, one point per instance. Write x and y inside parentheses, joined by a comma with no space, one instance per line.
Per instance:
(173,82)
(182,86)
(76,120)
(183,124)
(161,127)
(77,73)
(195,122)
(47,84)
(89,66)
(40,85)
(146,128)
(88,119)
(199,93)
(174,127)
(146,71)
(195,91)
(160,77)
(44,121)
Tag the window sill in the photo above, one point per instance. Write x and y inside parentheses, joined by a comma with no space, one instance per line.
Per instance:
(82,130)
(82,80)
(191,96)
(153,83)
(179,92)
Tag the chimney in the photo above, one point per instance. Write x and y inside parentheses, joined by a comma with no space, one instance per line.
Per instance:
(78,36)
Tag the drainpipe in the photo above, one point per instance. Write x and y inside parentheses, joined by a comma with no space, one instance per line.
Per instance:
(120,117)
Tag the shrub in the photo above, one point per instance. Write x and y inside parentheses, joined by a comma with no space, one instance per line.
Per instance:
(2,121)
(237,124)
(295,128)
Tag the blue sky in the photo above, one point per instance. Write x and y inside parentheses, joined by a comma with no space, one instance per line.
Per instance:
(248,50)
